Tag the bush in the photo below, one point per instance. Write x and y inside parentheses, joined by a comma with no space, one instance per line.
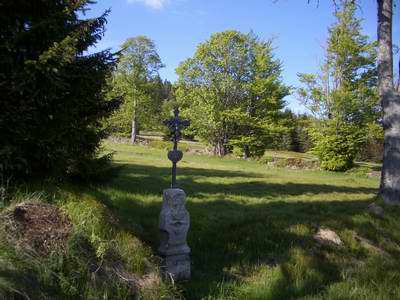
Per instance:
(337,147)
(96,169)
(248,146)
(373,147)
(301,139)
(293,134)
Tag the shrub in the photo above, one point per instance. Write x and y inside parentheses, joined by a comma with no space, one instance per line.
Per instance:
(237,152)
(337,147)
(373,147)
(301,139)
(96,169)
(251,145)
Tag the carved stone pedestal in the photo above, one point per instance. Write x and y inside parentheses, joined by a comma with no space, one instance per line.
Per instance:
(174,226)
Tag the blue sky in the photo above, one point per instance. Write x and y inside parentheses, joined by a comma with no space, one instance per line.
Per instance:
(178,26)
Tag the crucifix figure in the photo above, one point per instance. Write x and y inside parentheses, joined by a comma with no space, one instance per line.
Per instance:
(175,125)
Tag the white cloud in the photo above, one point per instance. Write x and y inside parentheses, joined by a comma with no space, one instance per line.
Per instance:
(154,4)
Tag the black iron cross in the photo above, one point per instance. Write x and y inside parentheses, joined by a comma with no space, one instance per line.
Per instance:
(175,126)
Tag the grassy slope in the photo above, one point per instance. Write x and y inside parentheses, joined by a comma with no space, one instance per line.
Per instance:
(97,250)
(251,227)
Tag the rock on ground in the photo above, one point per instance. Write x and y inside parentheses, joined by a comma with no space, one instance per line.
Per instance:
(326,236)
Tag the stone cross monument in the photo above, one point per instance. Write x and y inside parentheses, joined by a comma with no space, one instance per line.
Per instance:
(174,218)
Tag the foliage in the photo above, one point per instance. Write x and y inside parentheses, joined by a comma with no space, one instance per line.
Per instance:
(301,138)
(52,98)
(346,87)
(373,147)
(336,148)
(344,95)
(232,92)
(96,169)
(136,79)
(294,135)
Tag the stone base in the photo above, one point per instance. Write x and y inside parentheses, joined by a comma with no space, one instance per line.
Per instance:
(176,267)
(174,225)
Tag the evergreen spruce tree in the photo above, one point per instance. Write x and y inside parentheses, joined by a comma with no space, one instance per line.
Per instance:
(51,90)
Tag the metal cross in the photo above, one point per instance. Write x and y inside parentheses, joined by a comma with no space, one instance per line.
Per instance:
(175,125)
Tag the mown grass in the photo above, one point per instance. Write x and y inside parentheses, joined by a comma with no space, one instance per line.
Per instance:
(252,226)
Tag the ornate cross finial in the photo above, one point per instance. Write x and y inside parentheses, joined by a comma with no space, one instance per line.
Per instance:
(175,126)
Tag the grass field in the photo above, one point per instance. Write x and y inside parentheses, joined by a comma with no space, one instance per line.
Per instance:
(252,226)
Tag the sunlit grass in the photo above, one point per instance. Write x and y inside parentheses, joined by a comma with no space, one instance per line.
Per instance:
(252,226)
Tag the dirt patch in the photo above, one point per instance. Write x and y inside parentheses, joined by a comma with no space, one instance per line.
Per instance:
(39,226)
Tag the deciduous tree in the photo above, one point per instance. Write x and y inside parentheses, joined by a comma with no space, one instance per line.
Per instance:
(343,96)
(232,91)
(390,101)
(137,79)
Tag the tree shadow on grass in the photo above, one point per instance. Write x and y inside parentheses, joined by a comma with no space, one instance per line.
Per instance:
(228,235)
(152,180)
(230,238)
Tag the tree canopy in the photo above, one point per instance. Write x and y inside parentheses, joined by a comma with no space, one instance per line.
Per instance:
(136,79)
(343,96)
(232,91)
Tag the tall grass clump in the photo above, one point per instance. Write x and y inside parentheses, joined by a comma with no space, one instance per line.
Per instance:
(98,259)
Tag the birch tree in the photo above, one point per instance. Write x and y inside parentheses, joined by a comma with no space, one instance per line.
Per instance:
(134,79)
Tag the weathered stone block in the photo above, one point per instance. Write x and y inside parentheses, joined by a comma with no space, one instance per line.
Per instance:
(177,267)
(174,226)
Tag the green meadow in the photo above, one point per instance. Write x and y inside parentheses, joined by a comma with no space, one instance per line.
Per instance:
(252,226)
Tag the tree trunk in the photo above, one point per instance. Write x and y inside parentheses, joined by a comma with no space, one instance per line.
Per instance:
(390,101)
(246,152)
(219,148)
(135,130)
